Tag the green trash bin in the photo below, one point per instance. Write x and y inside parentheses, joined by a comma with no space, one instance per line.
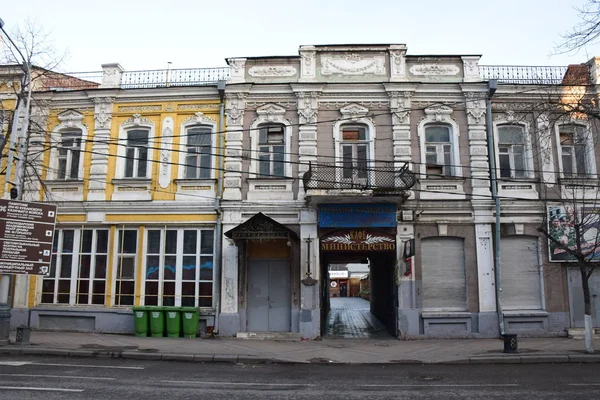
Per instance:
(140,321)
(157,321)
(173,317)
(189,316)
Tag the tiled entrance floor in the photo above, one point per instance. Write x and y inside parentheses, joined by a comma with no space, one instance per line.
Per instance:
(350,318)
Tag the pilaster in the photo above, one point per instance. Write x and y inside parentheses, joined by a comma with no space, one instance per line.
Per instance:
(232,179)
(99,164)
(478,153)
(308,107)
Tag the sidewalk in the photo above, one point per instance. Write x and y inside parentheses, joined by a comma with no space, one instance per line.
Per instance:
(353,351)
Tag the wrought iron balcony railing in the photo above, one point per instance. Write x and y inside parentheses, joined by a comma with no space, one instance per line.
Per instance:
(379,176)
(523,75)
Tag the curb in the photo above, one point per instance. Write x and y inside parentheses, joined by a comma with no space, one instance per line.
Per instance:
(251,359)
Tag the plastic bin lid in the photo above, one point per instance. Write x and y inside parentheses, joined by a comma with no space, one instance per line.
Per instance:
(189,309)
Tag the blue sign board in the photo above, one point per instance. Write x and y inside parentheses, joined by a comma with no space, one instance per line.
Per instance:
(357,216)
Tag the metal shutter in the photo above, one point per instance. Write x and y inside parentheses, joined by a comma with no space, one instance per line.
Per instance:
(443,273)
(520,270)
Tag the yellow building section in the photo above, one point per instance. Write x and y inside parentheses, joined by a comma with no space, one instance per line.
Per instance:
(175,218)
(65,218)
(155,113)
(7,106)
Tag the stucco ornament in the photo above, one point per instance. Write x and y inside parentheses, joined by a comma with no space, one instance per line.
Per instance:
(434,69)
(476,112)
(272,71)
(70,118)
(165,153)
(137,120)
(354,111)
(103,115)
(352,64)
(199,118)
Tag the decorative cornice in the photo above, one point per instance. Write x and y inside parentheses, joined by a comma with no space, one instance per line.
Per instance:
(434,69)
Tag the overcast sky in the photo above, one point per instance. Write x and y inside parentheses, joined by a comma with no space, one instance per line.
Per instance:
(194,34)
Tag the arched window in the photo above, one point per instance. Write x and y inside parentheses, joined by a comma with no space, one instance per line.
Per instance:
(136,153)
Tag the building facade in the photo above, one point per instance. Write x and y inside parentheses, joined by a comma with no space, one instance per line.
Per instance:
(174,189)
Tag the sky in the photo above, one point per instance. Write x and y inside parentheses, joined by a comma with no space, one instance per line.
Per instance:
(141,35)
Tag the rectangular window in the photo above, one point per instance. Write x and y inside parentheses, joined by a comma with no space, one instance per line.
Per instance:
(69,152)
(271,151)
(136,153)
(125,268)
(355,154)
(574,150)
(438,150)
(179,267)
(511,151)
(198,163)
(78,270)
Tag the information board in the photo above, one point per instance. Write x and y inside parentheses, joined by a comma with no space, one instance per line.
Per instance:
(26,234)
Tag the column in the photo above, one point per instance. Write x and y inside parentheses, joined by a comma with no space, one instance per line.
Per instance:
(310,314)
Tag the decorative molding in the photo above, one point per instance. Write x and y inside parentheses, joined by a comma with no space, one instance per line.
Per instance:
(336,105)
(103,114)
(238,66)
(439,113)
(164,178)
(137,120)
(398,107)
(140,108)
(354,112)
(194,107)
(434,69)
(70,119)
(272,71)
(271,111)
(308,63)
(235,108)
(476,113)
(200,118)
(352,64)
(307,107)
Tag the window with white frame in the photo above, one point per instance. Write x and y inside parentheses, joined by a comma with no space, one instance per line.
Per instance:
(574,150)
(68,155)
(78,269)
(179,267)
(125,267)
(511,151)
(136,153)
(438,150)
(354,149)
(271,150)
(198,152)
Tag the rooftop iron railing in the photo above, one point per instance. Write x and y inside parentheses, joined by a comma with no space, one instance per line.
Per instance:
(382,176)
(523,75)
(173,77)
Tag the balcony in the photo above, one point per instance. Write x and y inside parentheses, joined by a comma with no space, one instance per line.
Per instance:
(379,180)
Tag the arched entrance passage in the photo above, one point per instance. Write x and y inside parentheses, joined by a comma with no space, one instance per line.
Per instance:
(373,308)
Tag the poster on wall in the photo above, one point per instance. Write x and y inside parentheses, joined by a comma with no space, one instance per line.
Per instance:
(563,220)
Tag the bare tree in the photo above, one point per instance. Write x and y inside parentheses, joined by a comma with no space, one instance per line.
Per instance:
(587,31)
(29,60)
(566,128)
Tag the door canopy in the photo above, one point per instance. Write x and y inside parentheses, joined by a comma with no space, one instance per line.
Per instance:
(260,228)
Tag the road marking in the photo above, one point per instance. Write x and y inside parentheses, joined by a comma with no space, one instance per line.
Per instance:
(59,376)
(584,384)
(86,366)
(445,385)
(15,363)
(239,383)
(22,363)
(39,389)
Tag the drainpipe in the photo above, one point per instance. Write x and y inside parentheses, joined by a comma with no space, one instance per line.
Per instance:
(494,187)
(219,227)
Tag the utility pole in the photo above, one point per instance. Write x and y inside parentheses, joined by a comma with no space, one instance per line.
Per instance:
(16,192)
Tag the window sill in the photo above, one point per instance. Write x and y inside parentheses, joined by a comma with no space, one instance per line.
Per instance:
(120,181)
(197,190)
(65,190)
(442,188)
(270,189)
(132,189)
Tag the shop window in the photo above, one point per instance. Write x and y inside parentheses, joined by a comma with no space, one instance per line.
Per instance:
(179,267)
(125,268)
(78,269)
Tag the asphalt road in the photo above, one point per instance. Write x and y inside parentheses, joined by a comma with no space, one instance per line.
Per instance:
(82,378)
